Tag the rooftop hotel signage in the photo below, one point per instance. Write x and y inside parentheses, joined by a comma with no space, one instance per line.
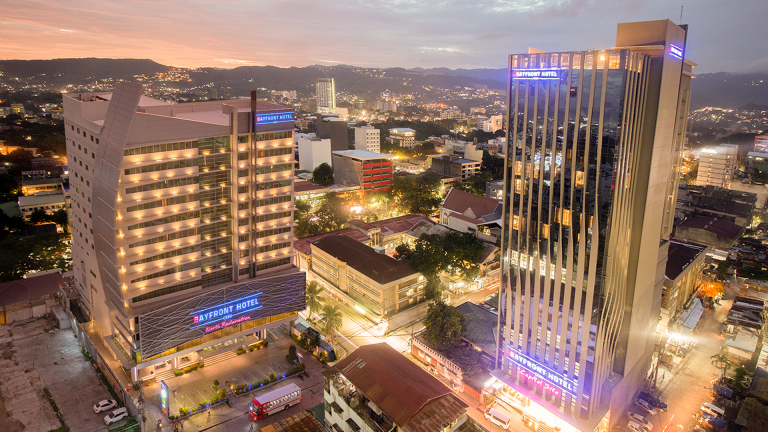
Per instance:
(536,74)
(675,51)
(543,375)
(207,312)
(273,121)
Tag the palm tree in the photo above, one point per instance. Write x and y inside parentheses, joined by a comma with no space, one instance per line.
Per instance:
(332,317)
(721,360)
(314,301)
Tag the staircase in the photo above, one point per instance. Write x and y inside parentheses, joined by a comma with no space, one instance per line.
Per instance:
(218,358)
(164,375)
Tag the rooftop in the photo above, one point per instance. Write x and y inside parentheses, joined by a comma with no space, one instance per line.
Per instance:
(481,326)
(304,421)
(305,186)
(379,267)
(713,225)
(415,400)
(460,202)
(23,290)
(40,199)
(680,256)
(362,154)
(465,161)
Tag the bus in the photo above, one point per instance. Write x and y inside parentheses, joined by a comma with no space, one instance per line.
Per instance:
(274,401)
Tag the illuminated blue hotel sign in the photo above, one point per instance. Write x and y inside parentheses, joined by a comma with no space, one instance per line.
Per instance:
(272,118)
(675,51)
(220,316)
(549,379)
(536,74)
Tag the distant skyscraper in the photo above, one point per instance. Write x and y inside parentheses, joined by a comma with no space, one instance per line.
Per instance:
(325,89)
(594,144)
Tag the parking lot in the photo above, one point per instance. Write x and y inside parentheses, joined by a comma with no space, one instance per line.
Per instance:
(33,356)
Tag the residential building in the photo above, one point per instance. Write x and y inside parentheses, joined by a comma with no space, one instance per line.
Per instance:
(32,185)
(385,105)
(716,166)
(371,171)
(467,212)
(492,124)
(455,166)
(375,389)
(334,128)
(761,144)
(555,273)
(32,296)
(757,165)
(313,151)
(682,276)
(182,225)
(495,189)
(50,202)
(404,137)
(730,205)
(19,109)
(466,150)
(325,95)
(452,114)
(368,138)
(359,276)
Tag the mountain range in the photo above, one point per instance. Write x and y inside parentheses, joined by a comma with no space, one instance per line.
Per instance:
(725,90)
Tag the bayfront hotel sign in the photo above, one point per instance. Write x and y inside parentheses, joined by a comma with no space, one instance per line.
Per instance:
(215,309)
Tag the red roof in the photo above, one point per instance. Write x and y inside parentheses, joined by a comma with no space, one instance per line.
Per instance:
(302,244)
(23,290)
(460,201)
(404,391)
(307,186)
(713,225)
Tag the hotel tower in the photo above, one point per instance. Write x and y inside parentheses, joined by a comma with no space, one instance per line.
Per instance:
(594,142)
(182,225)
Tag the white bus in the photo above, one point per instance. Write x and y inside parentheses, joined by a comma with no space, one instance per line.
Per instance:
(274,401)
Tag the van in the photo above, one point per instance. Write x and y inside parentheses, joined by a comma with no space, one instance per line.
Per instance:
(713,409)
(498,418)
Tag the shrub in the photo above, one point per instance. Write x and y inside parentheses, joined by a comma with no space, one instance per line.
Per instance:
(266,343)
(250,349)
(258,347)
(240,351)
(272,378)
(265,381)
(214,399)
(216,383)
(240,388)
(221,394)
(178,373)
(202,365)
(302,366)
(136,386)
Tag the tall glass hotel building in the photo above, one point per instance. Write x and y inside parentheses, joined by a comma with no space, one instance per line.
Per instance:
(182,225)
(595,139)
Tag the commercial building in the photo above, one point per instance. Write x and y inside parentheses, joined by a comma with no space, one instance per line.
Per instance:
(452,114)
(375,388)
(495,189)
(682,275)
(404,137)
(371,171)
(368,138)
(325,95)
(594,144)
(492,124)
(333,128)
(385,105)
(761,144)
(31,186)
(716,166)
(455,166)
(182,225)
(358,275)
(757,166)
(49,202)
(313,151)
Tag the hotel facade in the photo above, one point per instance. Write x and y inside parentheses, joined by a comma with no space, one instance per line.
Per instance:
(182,225)
(594,143)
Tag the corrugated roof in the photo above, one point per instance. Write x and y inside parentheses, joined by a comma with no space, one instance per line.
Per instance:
(481,326)
(23,290)
(400,388)
(460,201)
(680,256)
(379,267)
(713,225)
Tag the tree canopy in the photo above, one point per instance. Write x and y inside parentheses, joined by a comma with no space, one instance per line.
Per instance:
(419,195)
(323,175)
(432,254)
(35,253)
(443,325)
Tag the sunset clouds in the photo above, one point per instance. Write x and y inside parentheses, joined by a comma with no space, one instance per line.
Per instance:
(724,36)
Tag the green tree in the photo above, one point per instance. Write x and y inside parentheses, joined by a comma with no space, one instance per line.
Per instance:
(740,375)
(323,175)
(443,325)
(432,254)
(314,301)
(292,357)
(311,340)
(38,216)
(721,360)
(468,360)
(722,269)
(419,196)
(433,289)
(59,217)
(332,316)
(35,253)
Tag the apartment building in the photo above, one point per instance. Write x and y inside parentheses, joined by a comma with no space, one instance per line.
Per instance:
(325,91)
(404,137)
(716,166)
(368,138)
(182,224)
(371,171)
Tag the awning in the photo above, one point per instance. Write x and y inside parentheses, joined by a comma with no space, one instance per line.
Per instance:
(691,317)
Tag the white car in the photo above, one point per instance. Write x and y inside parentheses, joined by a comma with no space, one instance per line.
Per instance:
(104,405)
(637,418)
(635,427)
(645,407)
(115,416)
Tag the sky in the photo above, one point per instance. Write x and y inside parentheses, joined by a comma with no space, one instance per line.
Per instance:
(724,35)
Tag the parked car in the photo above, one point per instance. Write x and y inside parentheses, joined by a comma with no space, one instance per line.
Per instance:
(637,418)
(115,416)
(104,405)
(653,400)
(645,407)
(635,427)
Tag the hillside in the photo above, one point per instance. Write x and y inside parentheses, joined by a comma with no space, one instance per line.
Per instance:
(78,71)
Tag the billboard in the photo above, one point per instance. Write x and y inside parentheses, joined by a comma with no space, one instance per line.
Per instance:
(218,309)
(273,121)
